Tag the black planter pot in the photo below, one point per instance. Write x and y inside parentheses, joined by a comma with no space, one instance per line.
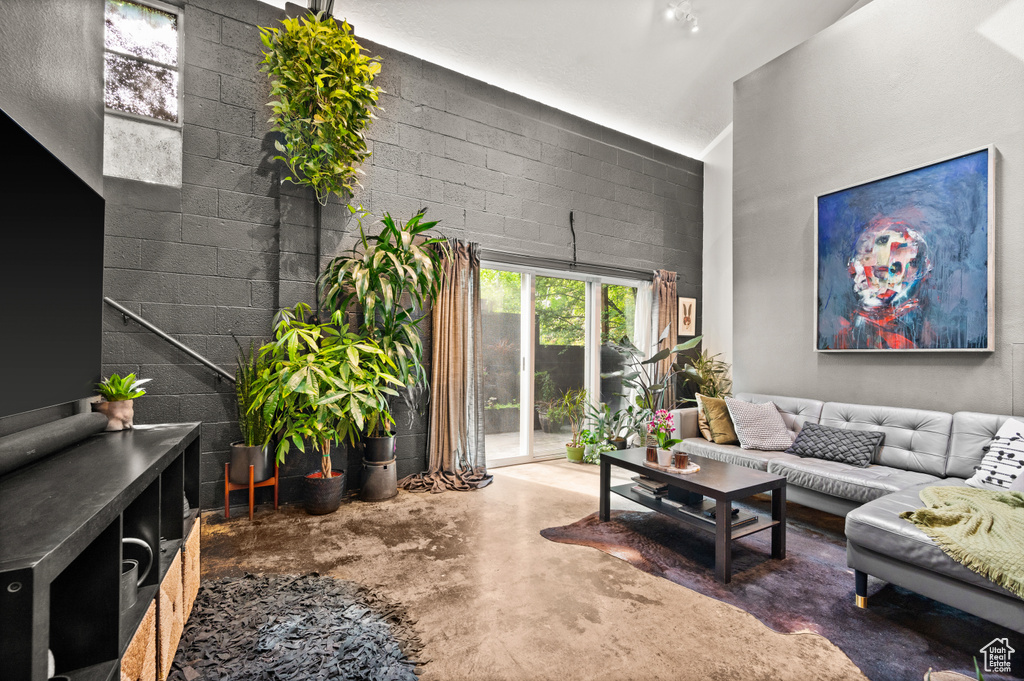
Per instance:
(324,495)
(379,448)
(242,457)
(380,480)
(619,442)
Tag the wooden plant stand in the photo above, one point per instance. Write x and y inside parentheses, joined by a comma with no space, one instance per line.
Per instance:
(251,486)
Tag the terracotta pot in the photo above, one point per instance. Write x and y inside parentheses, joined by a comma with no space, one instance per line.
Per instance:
(243,456)
(323,495)
(120,414)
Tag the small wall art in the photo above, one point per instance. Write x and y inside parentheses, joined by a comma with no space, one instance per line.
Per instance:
(905,262)
(687,316)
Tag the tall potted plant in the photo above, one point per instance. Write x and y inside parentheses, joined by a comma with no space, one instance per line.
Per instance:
(252,449)
(391,276)
(645,381)
(320,384)
(572,406)
(642,376)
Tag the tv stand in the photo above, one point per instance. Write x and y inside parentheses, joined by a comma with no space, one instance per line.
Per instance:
(62,520)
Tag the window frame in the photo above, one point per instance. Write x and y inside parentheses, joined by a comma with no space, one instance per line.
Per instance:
(527,330)
(179,13)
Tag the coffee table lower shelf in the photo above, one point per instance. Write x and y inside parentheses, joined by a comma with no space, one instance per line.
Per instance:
(694,515)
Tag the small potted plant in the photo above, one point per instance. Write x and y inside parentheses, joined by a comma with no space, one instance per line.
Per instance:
(320,384)
(572,405)
(661,427)
(252,449)
(119,394)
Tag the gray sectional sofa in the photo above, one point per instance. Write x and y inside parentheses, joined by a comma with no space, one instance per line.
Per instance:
(921,448)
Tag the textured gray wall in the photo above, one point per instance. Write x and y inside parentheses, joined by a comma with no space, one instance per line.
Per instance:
(229,247)
(896,84)
(51,78)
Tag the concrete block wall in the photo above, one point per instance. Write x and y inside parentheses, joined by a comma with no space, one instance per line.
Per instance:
(232,245)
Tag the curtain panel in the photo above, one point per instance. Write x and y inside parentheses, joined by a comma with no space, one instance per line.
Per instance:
(667,316)
(455,436)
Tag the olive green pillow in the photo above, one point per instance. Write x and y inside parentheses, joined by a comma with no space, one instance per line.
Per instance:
(702,421)
(722,430)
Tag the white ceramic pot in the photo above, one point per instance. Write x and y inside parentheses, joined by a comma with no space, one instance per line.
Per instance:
(665,457)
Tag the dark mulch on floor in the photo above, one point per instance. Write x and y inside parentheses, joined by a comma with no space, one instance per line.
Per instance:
(295,627)
(900,635)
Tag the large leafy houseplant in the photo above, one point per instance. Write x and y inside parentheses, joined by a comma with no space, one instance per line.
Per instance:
(708,374)
(320,384)
(645,380)
(324,98)
(392,276)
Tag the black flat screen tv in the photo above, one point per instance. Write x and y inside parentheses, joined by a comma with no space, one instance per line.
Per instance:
(51,278)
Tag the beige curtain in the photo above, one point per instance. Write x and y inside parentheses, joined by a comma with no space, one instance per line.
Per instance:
(455,438)
(667,316)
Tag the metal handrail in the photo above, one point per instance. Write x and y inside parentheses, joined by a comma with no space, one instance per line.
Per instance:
(128,314)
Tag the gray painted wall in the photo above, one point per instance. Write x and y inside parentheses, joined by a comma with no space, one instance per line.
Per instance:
(717,303)
(226,249)
(51,78)
(896,84)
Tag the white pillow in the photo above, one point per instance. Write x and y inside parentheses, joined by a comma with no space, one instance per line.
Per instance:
(1003,463)
(759,426)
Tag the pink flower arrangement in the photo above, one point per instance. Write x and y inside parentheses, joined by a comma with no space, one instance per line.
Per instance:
(662,427)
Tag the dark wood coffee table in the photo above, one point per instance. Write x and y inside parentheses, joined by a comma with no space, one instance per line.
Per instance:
(724,483)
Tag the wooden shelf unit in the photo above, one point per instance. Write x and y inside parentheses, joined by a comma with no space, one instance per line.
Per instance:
(61,524)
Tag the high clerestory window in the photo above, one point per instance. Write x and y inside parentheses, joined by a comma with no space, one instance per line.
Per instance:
(142,60)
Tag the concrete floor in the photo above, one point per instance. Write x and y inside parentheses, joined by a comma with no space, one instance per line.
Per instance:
(503,446)
(495,600)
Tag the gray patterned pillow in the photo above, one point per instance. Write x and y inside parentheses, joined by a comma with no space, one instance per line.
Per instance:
(849,446)
(758,426)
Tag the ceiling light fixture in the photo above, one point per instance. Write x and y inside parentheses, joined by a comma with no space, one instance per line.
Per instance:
(682,10)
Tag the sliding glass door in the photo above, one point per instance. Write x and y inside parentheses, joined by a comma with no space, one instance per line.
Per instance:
(545,333)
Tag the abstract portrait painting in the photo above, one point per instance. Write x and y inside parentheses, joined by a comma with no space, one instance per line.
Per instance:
(905,262)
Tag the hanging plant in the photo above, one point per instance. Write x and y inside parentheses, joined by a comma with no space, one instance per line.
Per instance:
(324,99)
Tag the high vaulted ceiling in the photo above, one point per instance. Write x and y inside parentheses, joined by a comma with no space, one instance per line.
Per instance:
(619,63)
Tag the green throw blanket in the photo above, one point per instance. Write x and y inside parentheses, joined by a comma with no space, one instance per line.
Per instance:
(982,529)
